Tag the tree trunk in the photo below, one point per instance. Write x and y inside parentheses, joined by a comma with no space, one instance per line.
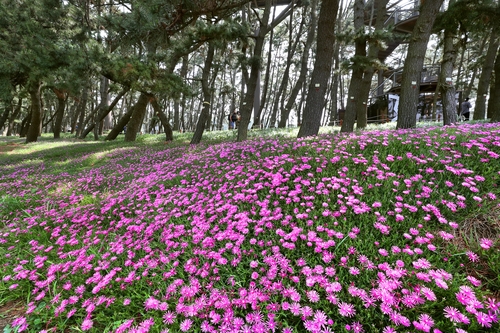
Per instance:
(445,78)
(135,122)
(265,27)
(311,34)
(169,136)
(262,102)
(121,123)
(61,105)
(410,84)
(322,69)
(494,102)
(484,80)
(103,105)
(355,100)
(246,108)
(36,112)
(80,111)
(205,112)
(286,73)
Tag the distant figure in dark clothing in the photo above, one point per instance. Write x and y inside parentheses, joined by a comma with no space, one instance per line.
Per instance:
(465,109)
(233,118)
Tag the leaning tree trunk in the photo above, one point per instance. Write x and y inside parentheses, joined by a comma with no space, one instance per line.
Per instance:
(322,69)
(414,62)
(494,102)
(484,80)
(445,82)
(135,122)
(205,112)
(61,105)
(169,136)
(36,112)
(121,124)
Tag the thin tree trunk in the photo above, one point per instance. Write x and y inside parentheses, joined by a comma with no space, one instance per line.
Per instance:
(484,80)
(36,112)
(183,74)
(104,112)
(13,117)
(468,90)
(410,84)
(355,100)
(311,34)
(61,105)
(6,112)
(262,104)
(205,112)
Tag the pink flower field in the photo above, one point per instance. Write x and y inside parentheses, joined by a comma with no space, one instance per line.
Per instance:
(381,231)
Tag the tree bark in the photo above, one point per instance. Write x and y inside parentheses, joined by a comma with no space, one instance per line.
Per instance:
(494,102)
(410,84)
(205,112)
(484,80)
(322,69)
(36,112)
(61,105)
(135,122)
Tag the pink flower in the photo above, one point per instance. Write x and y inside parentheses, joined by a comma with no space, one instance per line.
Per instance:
(472,256)
(486,243)
(186,325)
(87,324)
(313,296)
(452,314)
(346,309)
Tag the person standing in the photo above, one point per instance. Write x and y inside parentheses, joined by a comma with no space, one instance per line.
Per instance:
(465,109)
(234,119)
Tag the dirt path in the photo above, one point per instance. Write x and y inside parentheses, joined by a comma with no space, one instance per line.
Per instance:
(9,311)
